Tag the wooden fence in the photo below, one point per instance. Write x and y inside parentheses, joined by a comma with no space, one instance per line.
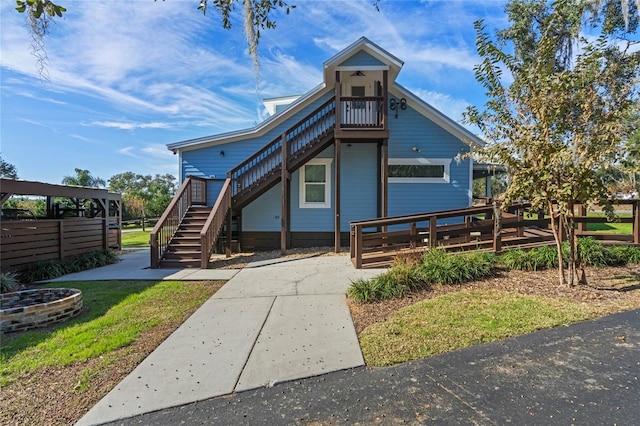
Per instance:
(25,242)
(377,242)
(58,236)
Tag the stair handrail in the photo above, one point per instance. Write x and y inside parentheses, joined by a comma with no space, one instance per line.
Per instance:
(214,225)
(170,220)
(269,158)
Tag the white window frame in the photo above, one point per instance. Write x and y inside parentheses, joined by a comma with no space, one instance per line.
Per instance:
(446,162)
(327,184)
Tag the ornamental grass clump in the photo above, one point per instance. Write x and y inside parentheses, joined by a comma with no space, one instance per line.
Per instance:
(441,267)
(435,267)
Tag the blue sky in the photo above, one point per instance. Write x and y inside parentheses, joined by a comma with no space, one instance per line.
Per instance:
(128,77)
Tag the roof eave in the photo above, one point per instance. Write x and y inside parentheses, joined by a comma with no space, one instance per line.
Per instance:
(257,130)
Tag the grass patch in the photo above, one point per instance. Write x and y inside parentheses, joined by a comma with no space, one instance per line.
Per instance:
(135,239)
(116,313)
(459,320)
(610,227)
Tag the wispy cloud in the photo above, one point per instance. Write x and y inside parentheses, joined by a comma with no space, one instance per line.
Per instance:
(443,102)
(129,125)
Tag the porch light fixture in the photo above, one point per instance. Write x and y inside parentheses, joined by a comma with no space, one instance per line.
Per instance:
(395,105)
(358,74)
(415,149)
(221,153)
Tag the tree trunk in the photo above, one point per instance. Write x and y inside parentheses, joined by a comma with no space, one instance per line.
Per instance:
(556,235)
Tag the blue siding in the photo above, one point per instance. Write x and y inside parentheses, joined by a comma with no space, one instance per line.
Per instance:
(208,162)
(311,220)
(362,58)
(412,129)
(263,214)
(359,176)
(358,196)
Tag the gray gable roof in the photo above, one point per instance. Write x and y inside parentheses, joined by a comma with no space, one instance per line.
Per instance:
(362,54)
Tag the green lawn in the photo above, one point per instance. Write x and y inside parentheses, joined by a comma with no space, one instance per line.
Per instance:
(458,320)
(609,227)
(135,239)
(106,324)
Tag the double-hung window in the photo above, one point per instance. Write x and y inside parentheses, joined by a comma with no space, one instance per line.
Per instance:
(419,170)
(315,184)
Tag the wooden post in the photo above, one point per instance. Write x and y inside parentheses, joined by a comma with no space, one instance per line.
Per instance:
(582,226)
(413,231)
(497,228)
(352,242)
(336,154)
(229,240)
(433,232)
(636,222)
(338,96)
(520,223)
(467,230)
(385,100)
(358,249)
(384,184)
(284,214)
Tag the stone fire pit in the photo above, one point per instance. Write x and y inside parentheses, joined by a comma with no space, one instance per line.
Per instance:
(26,309)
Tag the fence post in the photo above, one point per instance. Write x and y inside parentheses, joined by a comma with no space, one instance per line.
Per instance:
(467,229)
(412,232)
(497,228)
(582,212)
(433,232)
(358,251)
(636,222)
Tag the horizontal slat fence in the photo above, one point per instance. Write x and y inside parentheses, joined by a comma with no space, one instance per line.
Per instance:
(377,242)
(25,242)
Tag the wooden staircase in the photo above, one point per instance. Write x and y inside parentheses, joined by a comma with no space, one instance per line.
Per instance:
(185,236)
(184,249)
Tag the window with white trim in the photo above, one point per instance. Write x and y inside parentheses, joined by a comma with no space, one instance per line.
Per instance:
(419,170)
(315,184)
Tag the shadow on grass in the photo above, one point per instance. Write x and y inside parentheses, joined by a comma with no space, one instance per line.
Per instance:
(98,297)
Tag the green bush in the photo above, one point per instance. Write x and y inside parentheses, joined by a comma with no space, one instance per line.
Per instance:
(47,270)
(441,267)
(592,253)
(9,282)
(435,267)
(627,254)
(530,260)
(396,282)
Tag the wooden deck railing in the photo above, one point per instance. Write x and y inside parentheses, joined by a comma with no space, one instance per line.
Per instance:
(192,191)
(214,225)
(249,175)
(361,112)
(377,241)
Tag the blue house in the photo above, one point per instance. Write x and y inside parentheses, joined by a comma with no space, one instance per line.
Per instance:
(358,146)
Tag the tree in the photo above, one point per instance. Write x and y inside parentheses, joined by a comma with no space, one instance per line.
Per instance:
(257,15)
(83,178)
(562,117)
(7,170)
(143,195)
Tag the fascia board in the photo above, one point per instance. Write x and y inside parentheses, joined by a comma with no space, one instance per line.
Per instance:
(256,131)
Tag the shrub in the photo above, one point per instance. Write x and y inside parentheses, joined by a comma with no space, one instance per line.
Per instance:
(530,260)
(9,282)
(626,254)
(440,267)
(396,282)
(46,270)
(593,253)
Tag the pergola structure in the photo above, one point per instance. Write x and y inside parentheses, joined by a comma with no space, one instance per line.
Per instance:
(78,220)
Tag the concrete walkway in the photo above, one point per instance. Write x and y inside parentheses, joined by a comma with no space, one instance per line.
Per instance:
(273,321)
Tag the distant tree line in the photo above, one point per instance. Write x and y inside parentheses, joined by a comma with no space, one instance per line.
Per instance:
(143,196)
